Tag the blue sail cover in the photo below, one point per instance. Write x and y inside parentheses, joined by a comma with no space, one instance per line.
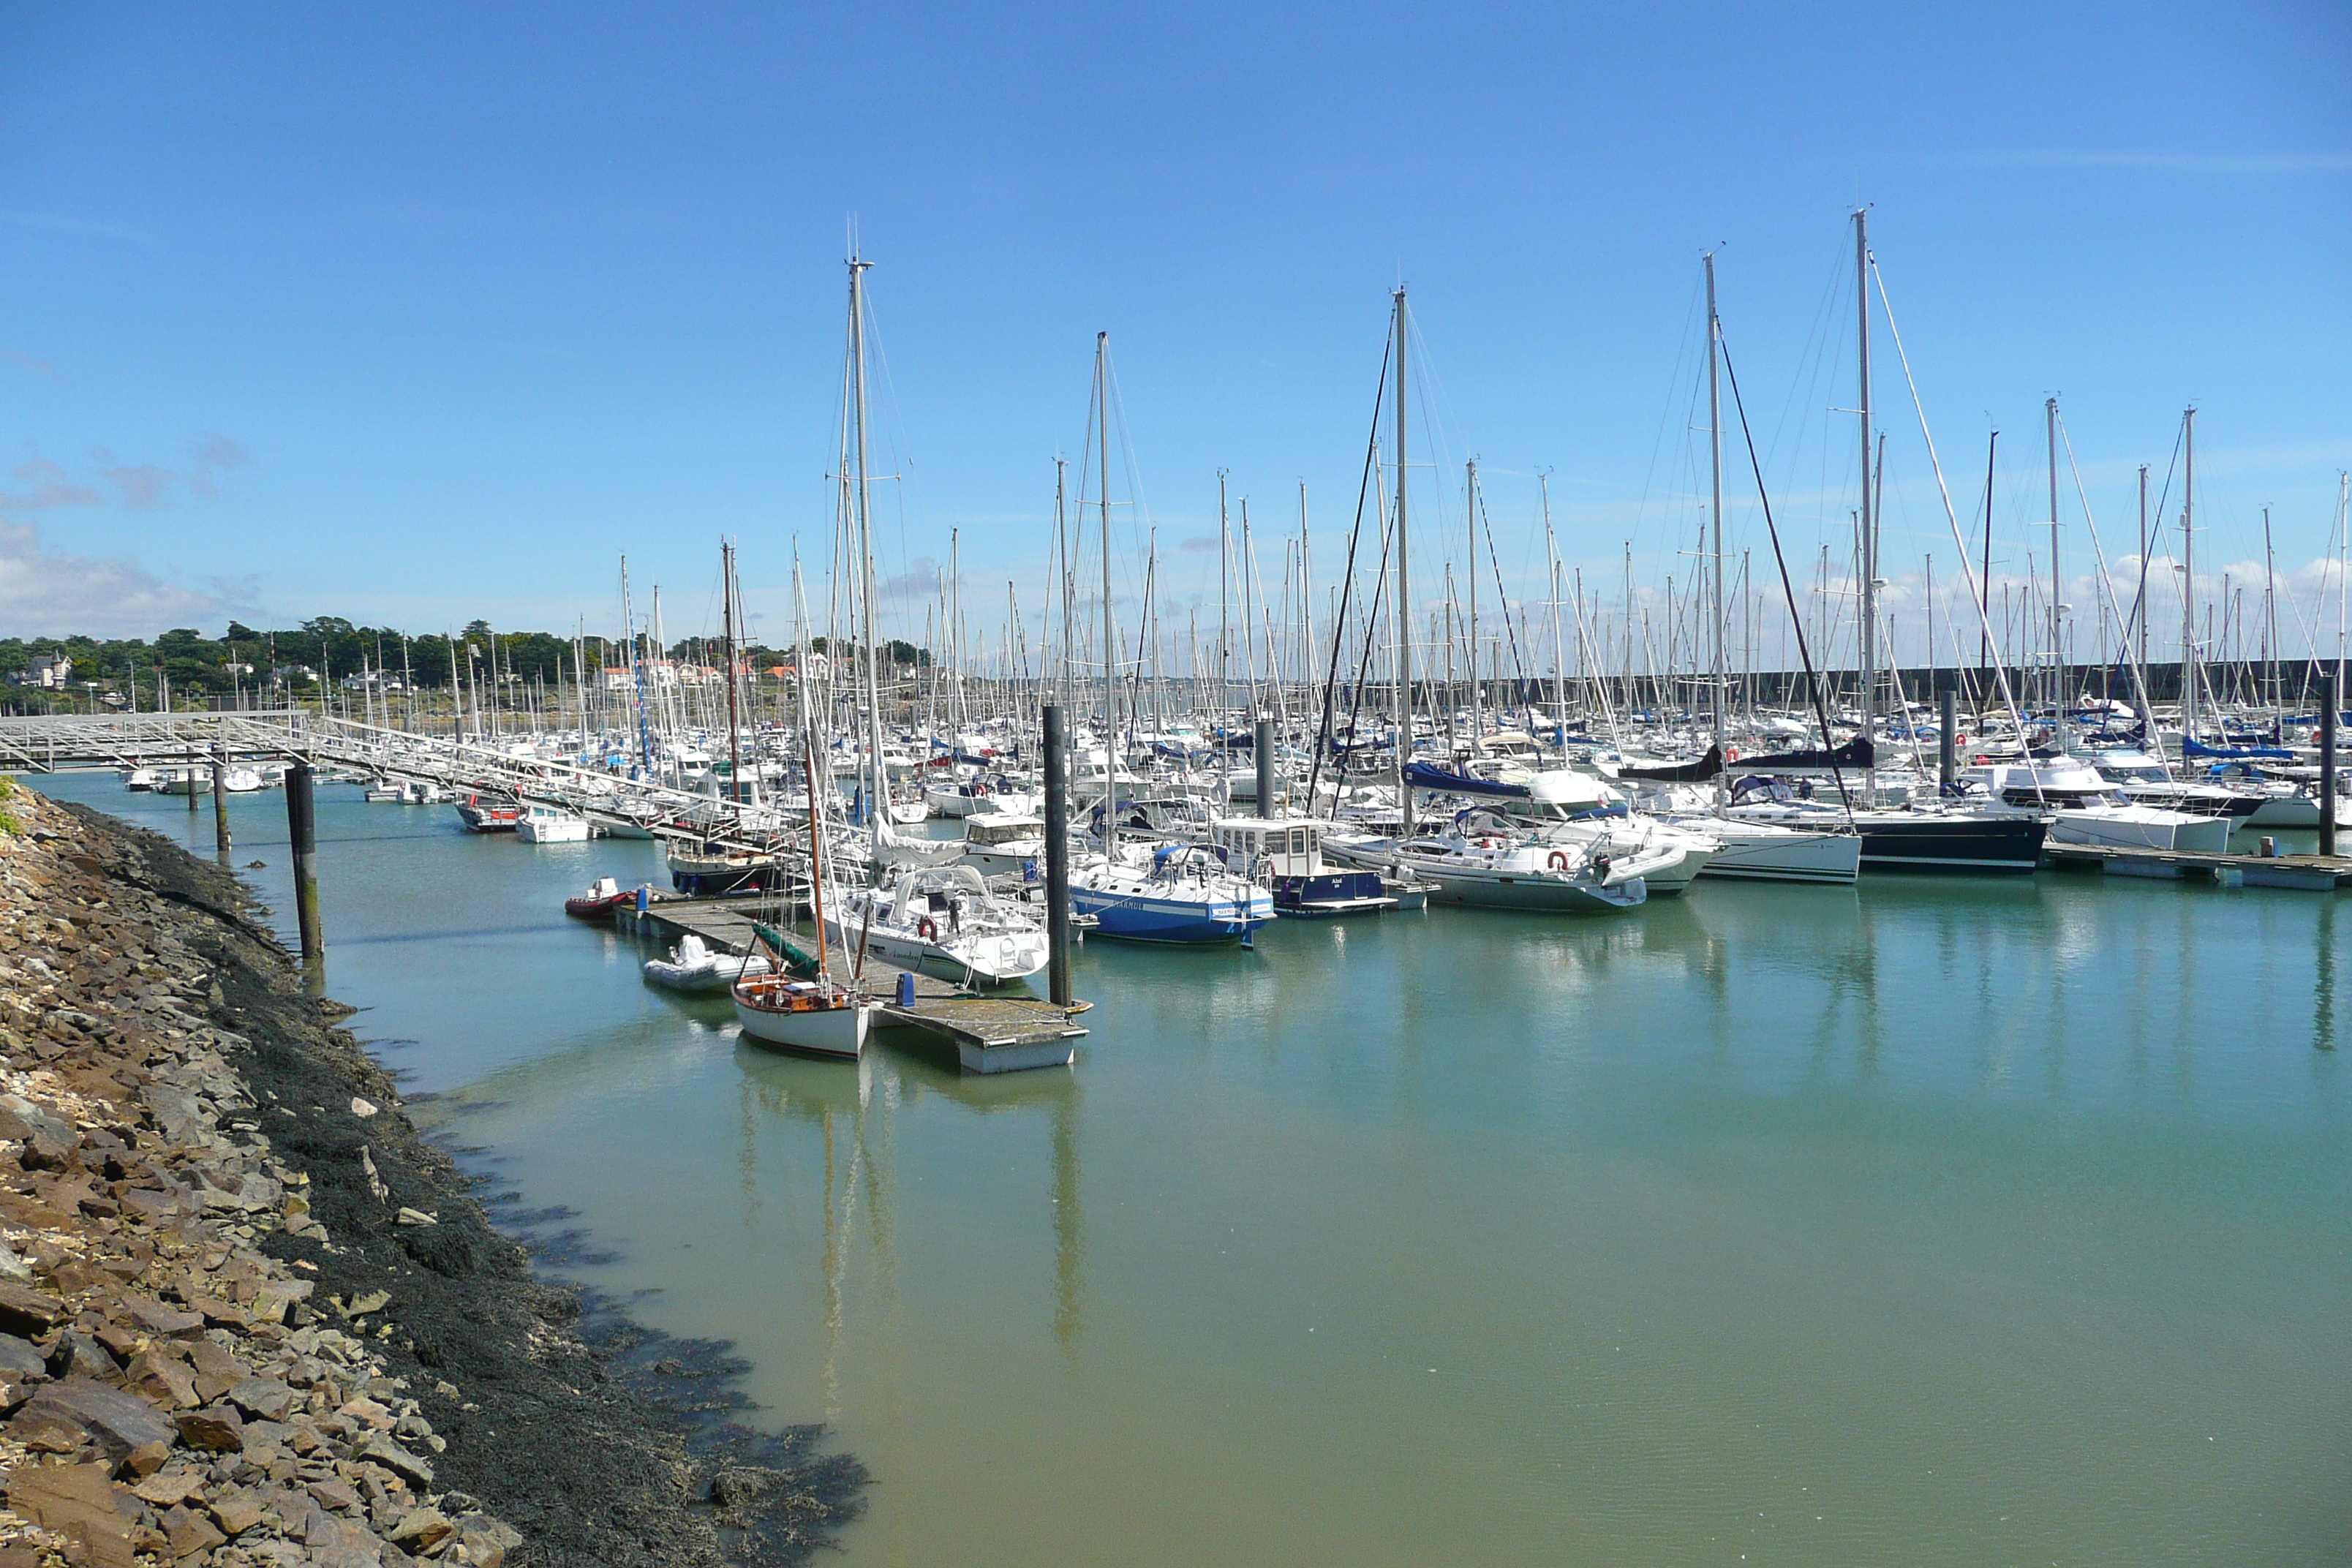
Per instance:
(1429,775)
(1857,752)
(2192,747)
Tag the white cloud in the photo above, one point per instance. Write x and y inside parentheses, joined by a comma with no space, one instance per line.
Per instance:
(47,593)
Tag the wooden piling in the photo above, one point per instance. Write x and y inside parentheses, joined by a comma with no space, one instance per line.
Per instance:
(220,802)
(302,832)
(1057,858)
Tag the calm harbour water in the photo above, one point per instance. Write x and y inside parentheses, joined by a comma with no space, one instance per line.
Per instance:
(1932,1222)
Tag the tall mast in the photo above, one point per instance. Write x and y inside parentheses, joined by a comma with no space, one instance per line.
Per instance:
(1403,619)
(2057,647)
(1470,512)
(1110,674)
(2189,576)
(877,793)
(1869,522)
(727,616)
(1558,663)
(1715,500)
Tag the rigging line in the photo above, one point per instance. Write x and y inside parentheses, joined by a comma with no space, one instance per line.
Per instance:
(2099,553)
(1788,589)
(1999,668)
(1503,599)
(1348,581)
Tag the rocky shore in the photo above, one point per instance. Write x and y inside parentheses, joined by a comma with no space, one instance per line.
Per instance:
(248,1317)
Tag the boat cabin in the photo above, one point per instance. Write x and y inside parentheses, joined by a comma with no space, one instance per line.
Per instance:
(1247,844)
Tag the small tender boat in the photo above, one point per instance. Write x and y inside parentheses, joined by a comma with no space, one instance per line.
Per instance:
(603,899)
(481,815)
(693,968)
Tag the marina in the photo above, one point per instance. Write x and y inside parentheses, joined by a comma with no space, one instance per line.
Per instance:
(1995,1197)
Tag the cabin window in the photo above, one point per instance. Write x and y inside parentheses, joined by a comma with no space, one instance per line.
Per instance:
(1298,841)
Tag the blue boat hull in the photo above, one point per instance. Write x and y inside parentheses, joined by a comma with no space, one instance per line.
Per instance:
(1178,920)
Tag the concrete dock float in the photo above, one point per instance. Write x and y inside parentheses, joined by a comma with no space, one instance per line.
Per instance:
(2302,873)
(993,1031)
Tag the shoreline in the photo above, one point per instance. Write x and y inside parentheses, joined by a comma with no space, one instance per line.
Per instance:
(513,1420)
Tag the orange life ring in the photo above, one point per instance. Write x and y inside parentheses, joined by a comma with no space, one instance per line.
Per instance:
(926,930)
(1732,754)
(1558,860)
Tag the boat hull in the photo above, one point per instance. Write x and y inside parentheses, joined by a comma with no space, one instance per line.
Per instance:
(1141,917)
(1828,858)
(838,1032)
(1952,844)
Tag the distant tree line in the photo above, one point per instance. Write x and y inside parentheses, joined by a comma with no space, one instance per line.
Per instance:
(326,650)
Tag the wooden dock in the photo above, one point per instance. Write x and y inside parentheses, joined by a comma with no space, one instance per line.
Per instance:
(2302,873)
(992,1031)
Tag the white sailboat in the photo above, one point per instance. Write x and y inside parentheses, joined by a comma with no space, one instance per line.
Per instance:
(943,920)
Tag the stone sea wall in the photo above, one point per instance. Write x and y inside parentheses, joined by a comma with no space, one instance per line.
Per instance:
(248,1317)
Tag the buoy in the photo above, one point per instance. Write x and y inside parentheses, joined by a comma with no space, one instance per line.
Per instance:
(926,930)
(1559,860)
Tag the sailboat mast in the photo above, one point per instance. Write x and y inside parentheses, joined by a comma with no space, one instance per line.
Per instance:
(2188,575)
(727,616)
(1403,619)
(1869,524)
(1715,500)
(1110,648)
(2057,648)
(878,795)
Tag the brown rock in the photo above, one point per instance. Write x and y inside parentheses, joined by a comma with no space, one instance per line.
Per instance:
(147,1458)
(28,1313)
(382,1451)
(64,1416)
(209,1357)
(215,1427)
(265,1397)
(189,1532)
(237,1512)
(81,1504)
(336,1495)
(162,1380)
(157,1319)
(170,1487)
(422,1529)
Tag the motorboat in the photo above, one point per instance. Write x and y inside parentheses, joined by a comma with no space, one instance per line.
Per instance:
(2081,807)
(996,845)
(480,815)
(1756,851)
(691,967)
(1286,855)
(604,899)
(1563,806)
(552,824)
(943,920)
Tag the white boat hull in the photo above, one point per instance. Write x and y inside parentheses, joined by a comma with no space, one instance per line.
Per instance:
(1754,853)
(821,1032)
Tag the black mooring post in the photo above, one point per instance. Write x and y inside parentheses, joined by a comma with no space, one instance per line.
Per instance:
(1264,744)
(220,802)
(302,833)
(191,781)
(1948,759)
(1057,858)
(2328,696)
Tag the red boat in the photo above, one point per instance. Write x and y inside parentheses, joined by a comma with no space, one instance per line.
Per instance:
(599,902)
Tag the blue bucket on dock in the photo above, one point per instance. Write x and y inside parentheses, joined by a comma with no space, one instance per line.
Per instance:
(906,988)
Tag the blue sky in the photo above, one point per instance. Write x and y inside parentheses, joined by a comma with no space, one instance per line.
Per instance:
(412,314)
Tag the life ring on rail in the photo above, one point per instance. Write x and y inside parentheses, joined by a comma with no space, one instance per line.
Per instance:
(1558,860)
(926,929)
(1732,754)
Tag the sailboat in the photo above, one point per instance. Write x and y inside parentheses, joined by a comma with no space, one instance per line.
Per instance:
(943,920)
(818,1015)
(1171,893)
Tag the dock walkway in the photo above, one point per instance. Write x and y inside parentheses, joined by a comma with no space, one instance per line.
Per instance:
(992,1031)
(2304,873)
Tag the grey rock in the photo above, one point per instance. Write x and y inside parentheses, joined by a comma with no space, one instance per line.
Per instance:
(64,1415)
